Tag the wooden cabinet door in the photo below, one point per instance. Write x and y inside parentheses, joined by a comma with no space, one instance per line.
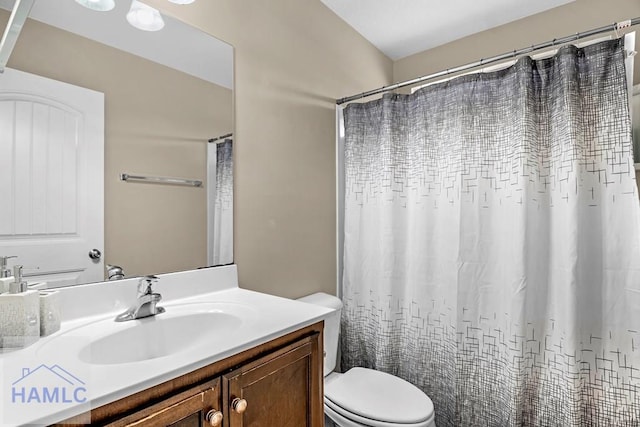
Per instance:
(283,389)
(186,409)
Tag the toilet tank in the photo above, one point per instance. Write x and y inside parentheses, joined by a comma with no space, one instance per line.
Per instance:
(331,327)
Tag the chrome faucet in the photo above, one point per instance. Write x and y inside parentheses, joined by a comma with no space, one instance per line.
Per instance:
(145,303)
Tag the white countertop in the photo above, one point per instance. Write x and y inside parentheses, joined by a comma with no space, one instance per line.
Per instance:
(88,313)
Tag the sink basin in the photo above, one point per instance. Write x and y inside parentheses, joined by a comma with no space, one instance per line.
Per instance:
(158,336)
(181,328)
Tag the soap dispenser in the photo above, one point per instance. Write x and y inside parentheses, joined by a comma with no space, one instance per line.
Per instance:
(19,314)
(5,274)
(18,285)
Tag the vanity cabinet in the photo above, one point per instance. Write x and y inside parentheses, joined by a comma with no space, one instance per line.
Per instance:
(279,383)
(192,408)
(273,391)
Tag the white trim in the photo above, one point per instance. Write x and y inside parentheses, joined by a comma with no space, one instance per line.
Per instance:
(339,198)
(212,154)
(17,19)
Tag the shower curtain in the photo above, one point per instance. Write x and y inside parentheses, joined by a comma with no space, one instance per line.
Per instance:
(222,244)
(491,243)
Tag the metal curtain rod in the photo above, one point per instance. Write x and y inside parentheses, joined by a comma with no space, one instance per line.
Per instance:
(161,180)
(221,137)
(577,36)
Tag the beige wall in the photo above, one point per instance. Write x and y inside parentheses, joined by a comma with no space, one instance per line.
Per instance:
(293,59)
(580,15)
(157,122)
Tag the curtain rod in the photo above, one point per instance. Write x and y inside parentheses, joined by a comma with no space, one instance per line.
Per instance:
(577,36)
(221,137)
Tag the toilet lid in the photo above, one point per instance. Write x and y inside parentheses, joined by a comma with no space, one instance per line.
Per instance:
(379,396)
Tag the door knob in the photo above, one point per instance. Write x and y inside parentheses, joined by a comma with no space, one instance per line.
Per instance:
(238,405)
(214,418)
(95,254)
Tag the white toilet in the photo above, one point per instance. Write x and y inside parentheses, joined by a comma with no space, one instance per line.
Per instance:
(364,397)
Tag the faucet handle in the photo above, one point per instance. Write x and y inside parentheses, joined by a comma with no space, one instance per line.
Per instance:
(145,283)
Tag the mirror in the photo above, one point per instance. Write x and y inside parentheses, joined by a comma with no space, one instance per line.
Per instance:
(166,94)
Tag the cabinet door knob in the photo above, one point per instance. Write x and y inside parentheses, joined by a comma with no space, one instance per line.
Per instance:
(238,405)
(214,418)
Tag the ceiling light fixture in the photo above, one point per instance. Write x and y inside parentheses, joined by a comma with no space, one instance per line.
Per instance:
(182,1)
(144,17)
(99,5)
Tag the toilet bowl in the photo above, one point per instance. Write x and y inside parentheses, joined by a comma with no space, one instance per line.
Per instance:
(363,397)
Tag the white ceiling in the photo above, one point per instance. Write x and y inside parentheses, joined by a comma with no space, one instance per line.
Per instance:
(177,45)
(401,28)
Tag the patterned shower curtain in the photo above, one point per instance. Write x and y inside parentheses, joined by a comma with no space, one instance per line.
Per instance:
(223,205)
(491,244)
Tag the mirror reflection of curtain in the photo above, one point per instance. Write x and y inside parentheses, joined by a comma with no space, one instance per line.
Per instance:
(221,195)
